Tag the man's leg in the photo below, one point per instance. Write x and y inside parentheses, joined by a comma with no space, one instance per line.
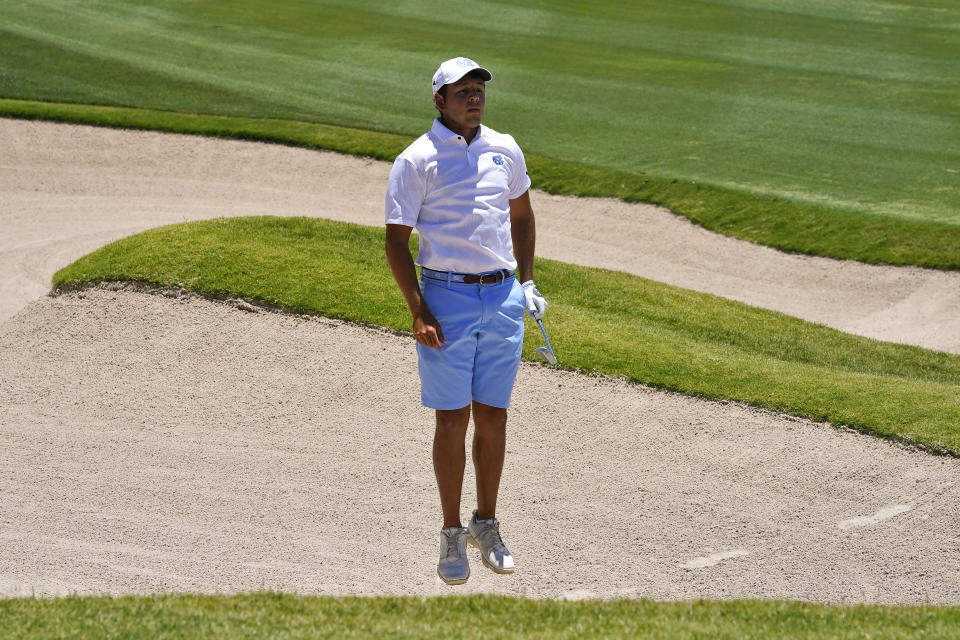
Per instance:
(489,446)
(449,459)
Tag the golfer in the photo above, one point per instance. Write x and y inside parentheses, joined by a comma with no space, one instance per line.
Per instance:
(464,187)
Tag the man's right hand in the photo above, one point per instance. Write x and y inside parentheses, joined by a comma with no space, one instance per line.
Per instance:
(427,331)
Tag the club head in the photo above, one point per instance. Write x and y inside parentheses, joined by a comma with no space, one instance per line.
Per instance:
(546,354)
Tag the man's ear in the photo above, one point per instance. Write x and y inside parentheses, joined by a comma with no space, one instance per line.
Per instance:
(438,101)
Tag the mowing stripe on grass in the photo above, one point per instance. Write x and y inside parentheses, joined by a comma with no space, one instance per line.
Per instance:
(852,109)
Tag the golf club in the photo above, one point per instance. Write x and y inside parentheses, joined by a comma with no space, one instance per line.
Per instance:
(545,352)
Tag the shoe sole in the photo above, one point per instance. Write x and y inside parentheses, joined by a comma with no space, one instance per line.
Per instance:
(454,583)
(486,563)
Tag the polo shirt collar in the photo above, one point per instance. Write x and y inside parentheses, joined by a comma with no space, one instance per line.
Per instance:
(444,135)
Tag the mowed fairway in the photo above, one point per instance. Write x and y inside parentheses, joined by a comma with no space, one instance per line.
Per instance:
(848,110)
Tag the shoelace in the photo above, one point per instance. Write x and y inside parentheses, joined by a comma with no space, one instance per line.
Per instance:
(491,534)
(453,544)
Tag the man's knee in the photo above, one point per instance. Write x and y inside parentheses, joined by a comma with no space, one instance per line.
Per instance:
(454,420)
(489,419)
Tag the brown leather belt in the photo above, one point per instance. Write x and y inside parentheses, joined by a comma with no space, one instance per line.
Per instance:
(494,277)
(486,278)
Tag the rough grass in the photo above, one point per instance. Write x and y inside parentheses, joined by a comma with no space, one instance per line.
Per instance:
(281,616)
(606,321)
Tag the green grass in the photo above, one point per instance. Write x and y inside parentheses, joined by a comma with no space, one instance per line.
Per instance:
(271,615)
(605,321)
(806,126)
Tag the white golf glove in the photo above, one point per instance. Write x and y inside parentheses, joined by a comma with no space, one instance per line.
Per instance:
(536,305)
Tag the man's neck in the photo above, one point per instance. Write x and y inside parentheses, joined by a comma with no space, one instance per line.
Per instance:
(466,134)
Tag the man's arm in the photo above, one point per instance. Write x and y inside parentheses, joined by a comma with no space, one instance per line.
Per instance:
(523,229)
(426,329)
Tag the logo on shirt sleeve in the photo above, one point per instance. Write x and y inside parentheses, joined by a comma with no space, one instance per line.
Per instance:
(498,159)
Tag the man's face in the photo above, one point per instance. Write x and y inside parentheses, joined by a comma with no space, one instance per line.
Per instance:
(464,103)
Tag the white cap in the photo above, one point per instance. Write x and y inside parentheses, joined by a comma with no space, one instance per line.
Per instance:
(454,69)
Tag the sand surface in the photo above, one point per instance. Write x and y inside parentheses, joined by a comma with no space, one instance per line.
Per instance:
(167,443)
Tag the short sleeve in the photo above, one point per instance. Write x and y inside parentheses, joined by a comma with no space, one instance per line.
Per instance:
(405,193)
(519,180)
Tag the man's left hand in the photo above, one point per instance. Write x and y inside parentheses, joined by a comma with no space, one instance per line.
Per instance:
(536,304)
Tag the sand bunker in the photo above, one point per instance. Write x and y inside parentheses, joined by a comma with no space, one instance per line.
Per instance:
(152,443)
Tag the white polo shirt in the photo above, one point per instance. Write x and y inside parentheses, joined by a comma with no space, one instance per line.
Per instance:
(457,197)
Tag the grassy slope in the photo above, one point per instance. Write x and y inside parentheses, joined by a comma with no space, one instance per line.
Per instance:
(612,322)
(846,111)
(288,616)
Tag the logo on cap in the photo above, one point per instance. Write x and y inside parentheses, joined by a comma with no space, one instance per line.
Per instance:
(453,69)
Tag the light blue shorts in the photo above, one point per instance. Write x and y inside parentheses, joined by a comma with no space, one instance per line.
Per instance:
(483,327)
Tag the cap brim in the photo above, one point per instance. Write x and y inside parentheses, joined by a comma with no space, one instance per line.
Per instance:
(446,79)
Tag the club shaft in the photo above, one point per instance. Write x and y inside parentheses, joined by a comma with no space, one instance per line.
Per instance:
(545,338)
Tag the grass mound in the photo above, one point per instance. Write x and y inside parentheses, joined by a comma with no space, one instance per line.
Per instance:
(611,322)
